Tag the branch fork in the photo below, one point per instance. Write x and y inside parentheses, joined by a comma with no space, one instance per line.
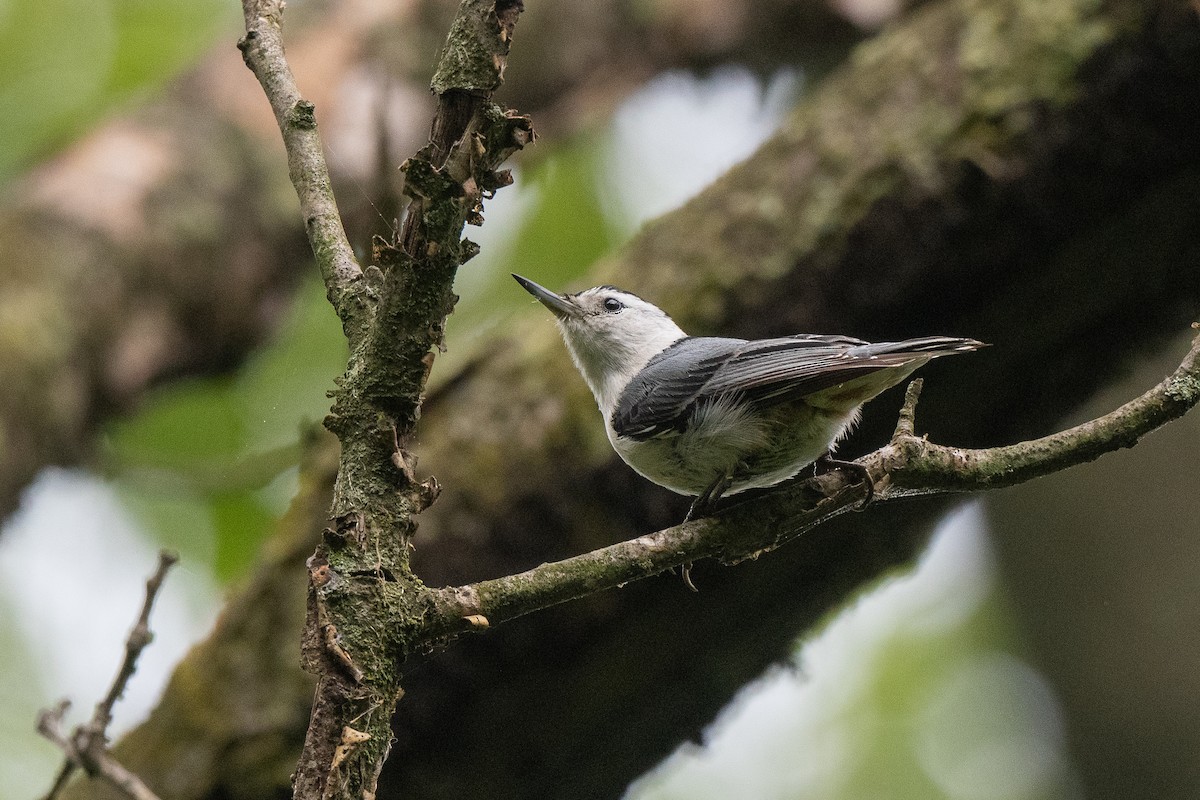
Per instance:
(364,602)
(86,747)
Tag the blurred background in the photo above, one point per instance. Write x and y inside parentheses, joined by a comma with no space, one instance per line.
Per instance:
(165,349)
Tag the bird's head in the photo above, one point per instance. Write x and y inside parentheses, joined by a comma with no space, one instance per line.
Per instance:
(611,333)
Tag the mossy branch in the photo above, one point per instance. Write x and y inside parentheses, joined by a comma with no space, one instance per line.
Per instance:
(908,465)
(364,602)
(912,465)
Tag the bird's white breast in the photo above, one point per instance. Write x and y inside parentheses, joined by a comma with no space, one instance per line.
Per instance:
(725,438)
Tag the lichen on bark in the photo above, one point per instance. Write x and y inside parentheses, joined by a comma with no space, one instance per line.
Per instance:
(365,606)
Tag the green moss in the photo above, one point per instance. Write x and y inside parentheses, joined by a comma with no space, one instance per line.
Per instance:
(473,55)
(1029,51)
(1184,389)
(302,115)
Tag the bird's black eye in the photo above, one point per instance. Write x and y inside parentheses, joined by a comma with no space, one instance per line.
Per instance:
(612,305)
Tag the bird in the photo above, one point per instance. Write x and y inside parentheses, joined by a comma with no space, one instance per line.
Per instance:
(709,417)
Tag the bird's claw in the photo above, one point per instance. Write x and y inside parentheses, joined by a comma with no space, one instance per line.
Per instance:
(829,462)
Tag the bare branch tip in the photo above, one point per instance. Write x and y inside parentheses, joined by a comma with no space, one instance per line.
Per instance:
(49,720)
(906,425)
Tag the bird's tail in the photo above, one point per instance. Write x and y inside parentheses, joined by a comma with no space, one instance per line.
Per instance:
(872,368)
(931,346)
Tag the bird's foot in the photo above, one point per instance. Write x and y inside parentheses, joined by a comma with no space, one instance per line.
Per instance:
(685,572)
(701,507)
(828,462)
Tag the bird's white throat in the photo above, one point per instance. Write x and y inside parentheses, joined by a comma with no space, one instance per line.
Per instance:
(608,363)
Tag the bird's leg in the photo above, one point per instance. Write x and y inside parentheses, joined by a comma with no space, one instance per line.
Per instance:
(703,504)
(700,507)
(827,461)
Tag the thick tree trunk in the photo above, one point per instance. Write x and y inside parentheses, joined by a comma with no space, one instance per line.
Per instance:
(1016,171)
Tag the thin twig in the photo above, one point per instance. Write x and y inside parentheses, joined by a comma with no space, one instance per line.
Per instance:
(262,50)
(90,755)
(139,637)
(906,425)
(915,466)
(87,746)
(49,725)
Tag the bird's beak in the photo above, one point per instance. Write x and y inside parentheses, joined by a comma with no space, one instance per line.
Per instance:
(561,306)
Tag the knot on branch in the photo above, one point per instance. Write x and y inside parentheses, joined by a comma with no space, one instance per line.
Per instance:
(244,43)
(302,115)
(350,527)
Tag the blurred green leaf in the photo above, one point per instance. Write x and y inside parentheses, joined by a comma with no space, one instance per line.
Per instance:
(567,229)
(220,531)
(63,65)
(243,427)
(285,385)
(240,523)
(157,39)
(53,61)
(203,462)
(177,517)
(182,426)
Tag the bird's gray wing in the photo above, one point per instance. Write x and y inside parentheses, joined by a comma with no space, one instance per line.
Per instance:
(776,370)
(659,397)
(663,395)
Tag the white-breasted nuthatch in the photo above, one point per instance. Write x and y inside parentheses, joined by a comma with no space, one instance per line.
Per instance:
(707,416)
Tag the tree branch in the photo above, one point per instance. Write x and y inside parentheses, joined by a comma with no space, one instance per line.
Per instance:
(91,755)
(908,466)
(912,465)
(262,50)
(360,574)
(87,747)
